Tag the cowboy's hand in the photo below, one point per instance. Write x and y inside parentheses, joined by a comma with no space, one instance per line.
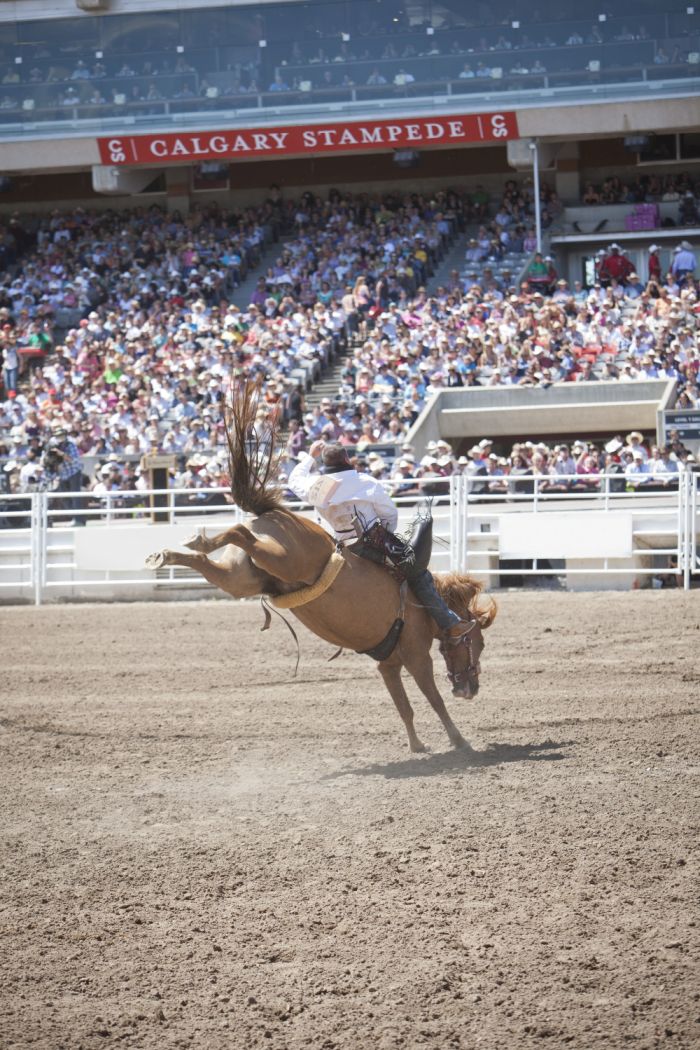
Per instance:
(317,448)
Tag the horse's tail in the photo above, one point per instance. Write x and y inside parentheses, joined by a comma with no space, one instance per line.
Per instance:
(463,595)
(253,461)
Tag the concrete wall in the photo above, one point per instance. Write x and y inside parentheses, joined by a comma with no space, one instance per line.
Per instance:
(589,216)
(596,120)
(583,409)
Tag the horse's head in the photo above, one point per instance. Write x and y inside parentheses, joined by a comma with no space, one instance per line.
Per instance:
(462,655)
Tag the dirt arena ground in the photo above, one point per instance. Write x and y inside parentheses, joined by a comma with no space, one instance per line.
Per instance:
(199,850)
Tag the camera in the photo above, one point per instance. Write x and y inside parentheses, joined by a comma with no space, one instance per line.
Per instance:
(52,457)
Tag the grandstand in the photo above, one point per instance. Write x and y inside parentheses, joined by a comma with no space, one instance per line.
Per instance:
(344,202)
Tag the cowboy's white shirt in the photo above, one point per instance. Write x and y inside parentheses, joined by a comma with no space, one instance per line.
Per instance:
(341,496)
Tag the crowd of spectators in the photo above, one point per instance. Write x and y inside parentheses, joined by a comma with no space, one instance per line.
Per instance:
(159,339)
(620,464)
(489,54)
(397,53)
(149,363)
(678,187)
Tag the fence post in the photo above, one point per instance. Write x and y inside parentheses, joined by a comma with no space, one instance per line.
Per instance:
(693,522)
(459,518)
(688,487)
(680,525)
(39,518)
(453,521)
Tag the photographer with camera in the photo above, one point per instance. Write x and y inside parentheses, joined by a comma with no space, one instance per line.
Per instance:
(63,468)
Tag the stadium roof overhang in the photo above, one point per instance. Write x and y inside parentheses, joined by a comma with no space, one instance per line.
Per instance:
(563,408)
(78,146)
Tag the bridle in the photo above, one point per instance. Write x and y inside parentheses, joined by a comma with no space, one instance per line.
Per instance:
(449,647)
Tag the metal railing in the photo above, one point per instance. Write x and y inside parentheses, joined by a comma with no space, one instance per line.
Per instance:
(662,507)
(40,544)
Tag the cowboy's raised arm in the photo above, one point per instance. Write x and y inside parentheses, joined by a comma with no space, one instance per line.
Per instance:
(303,476)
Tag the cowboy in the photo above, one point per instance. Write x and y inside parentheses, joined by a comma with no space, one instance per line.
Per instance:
(654,263)
(684,262)
(343,496)
(615,265)
(63,470)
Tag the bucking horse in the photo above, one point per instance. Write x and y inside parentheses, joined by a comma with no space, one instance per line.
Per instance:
(347,600)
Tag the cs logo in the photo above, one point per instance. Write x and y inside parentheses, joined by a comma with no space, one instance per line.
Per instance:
(116,151)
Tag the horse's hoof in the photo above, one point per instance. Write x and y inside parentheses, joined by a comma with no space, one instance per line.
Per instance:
(419,748)
(156,561)
(459,742)
(198,542)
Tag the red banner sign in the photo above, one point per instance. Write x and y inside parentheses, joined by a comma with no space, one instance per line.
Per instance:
(357,136)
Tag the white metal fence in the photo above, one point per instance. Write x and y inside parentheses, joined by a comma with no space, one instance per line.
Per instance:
(72,546)
(662,521)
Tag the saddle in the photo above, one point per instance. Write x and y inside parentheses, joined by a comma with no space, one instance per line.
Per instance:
(407,555)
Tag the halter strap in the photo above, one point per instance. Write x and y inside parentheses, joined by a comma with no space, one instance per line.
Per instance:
(447,647)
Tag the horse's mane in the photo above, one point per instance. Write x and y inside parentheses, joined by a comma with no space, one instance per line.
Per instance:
(463,595)
(252,467)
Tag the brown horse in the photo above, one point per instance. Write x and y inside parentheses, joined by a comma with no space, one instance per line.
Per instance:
(280,553)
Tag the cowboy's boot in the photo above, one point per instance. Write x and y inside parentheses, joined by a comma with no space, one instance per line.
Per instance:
(401,555)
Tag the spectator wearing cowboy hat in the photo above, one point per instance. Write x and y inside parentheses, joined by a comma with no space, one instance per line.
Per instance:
(109,479)
(684,261)
(654,263)
(63,467)
(616,265)
(477,469)
(634,287)
(634,443)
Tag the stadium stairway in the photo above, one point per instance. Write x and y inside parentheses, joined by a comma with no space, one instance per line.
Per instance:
(331,379)
(329,383)
(454,260)
(242,295)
